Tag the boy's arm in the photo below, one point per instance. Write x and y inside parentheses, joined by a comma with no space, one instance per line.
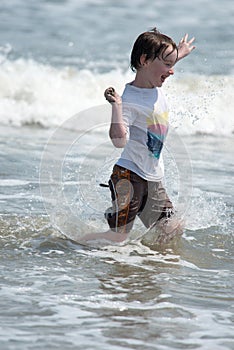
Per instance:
(117,128)
(185,47)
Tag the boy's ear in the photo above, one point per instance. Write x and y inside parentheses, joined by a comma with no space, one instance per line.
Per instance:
(143,59)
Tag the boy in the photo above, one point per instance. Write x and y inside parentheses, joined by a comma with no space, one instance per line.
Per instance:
(139,125)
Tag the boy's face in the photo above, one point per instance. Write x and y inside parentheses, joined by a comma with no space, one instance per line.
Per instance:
(155,72)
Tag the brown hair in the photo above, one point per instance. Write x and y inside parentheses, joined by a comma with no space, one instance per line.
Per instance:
(152,44)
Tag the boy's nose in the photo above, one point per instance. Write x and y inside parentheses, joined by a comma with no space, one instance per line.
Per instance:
(171,71)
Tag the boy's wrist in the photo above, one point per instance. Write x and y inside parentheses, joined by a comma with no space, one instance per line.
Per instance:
(116,103)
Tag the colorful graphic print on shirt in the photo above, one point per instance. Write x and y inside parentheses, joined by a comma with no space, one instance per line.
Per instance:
(157,128)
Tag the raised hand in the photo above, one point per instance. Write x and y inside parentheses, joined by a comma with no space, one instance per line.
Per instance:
(185,47)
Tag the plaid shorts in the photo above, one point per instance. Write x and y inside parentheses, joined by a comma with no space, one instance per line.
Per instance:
(133,196)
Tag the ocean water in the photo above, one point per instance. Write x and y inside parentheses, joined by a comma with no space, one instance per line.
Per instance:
(56,59)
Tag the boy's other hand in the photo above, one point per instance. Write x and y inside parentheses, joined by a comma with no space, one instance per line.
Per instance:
(112,96)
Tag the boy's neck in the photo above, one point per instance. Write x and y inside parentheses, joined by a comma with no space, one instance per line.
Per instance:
(140,82)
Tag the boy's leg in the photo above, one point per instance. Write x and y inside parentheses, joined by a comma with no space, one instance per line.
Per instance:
(157,206)
(158,211)
(127,191)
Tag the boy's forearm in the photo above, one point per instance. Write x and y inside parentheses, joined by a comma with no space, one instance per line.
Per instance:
(117,130)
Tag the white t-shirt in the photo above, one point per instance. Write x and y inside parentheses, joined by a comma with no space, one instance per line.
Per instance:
(145,114)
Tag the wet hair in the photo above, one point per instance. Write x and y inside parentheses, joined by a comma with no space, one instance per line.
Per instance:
(152,44)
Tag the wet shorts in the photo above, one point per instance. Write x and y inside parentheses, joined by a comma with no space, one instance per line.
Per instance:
(133,196)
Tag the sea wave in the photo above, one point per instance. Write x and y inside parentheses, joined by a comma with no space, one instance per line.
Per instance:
(41,94)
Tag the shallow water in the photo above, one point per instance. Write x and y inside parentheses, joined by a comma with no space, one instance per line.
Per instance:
(60,295)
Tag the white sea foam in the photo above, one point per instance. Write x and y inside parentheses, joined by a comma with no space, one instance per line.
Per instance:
(202,104)
(36,93)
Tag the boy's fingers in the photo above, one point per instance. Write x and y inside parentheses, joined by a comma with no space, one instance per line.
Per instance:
(191,40)
(185,38)
(110,91)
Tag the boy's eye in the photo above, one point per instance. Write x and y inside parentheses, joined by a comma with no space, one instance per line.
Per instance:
(169,65)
